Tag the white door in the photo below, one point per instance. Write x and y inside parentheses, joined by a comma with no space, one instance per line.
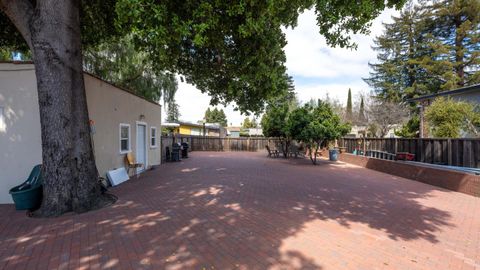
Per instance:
(141,156)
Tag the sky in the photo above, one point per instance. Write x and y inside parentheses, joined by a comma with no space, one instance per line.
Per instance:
(316,68)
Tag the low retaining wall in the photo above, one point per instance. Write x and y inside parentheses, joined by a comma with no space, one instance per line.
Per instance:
(449,179)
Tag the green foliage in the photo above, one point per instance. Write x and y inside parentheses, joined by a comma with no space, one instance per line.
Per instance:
(362,119)
(315,125)
(233,50)
(97,25)
(215,116)
(448,118)
(173,112)
(431,47)
(274,121)
(247,123)
(349,111)
(410,129)
(116,60)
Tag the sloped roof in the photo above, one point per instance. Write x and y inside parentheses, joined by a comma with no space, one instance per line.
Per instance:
(471,88)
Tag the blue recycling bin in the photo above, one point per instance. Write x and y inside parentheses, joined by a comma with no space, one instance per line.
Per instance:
(333,154)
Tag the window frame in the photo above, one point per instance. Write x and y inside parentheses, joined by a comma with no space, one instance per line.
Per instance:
(151,137)
(120,126)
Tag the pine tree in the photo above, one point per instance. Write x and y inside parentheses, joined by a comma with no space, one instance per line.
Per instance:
(454,35)
(208,115)
(431,47)
(397,75)
(349,113)
(173,112)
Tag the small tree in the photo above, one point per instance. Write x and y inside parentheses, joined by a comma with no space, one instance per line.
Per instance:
(448,118)
(314,126)
(274,125)
(410,129)
(361,113)
(384,115)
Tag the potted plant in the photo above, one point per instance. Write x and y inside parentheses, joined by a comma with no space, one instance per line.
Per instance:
(28,195)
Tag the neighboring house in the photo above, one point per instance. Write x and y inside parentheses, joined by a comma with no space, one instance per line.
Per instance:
(358,131)
(467,94)
(188,128)
(122,122)
(233,132)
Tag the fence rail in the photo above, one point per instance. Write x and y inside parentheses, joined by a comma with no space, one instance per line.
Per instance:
(201,143)
(454,152)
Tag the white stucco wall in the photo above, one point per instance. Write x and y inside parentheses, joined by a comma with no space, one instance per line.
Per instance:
(20,138)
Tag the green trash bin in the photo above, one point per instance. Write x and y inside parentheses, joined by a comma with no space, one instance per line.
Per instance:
(28,195)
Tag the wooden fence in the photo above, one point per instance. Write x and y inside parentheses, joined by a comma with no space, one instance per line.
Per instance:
(455,152)
(201,143)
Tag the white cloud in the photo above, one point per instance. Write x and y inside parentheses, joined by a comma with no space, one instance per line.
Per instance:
(317,68)
(329,70)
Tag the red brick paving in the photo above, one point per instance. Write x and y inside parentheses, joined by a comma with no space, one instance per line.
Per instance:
(242,210)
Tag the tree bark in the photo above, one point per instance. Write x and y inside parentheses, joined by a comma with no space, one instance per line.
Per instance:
(69,171)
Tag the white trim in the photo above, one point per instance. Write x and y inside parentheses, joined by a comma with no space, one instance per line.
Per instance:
(145,166)
(151,137)
(120,138)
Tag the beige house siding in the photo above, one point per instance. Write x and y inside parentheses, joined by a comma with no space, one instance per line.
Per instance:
(108,106)
(20,138)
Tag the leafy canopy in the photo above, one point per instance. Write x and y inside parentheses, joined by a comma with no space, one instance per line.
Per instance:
(233,50)
(116,60)
(315,125)
(448,118)
(429,47)
(216,116)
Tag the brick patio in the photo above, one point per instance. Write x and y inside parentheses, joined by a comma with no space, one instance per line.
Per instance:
(238,210)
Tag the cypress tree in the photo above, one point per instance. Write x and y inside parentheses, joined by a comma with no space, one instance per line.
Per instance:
(361,113)
(349,114)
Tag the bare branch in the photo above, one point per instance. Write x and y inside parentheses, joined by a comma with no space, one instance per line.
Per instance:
(20,12)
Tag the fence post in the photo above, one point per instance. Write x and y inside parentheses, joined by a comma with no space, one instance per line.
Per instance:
(449,152)
(364,146)
(395,145)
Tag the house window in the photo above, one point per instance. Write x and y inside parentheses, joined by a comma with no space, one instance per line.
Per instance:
(124,138)
(153,137)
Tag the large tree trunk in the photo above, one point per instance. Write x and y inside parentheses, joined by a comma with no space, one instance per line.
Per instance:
(69,171)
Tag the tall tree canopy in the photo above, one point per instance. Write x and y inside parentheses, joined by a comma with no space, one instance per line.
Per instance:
(232,50)
(173,112)
(216,116)
(431,47)
(116,60)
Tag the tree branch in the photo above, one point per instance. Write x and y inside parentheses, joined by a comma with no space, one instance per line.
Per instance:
(20,12)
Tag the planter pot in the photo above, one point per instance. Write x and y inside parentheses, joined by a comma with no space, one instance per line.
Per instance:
(342,149)
(28,198)
(333,155)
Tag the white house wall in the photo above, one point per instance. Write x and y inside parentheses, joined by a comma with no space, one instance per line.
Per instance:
(20,139)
